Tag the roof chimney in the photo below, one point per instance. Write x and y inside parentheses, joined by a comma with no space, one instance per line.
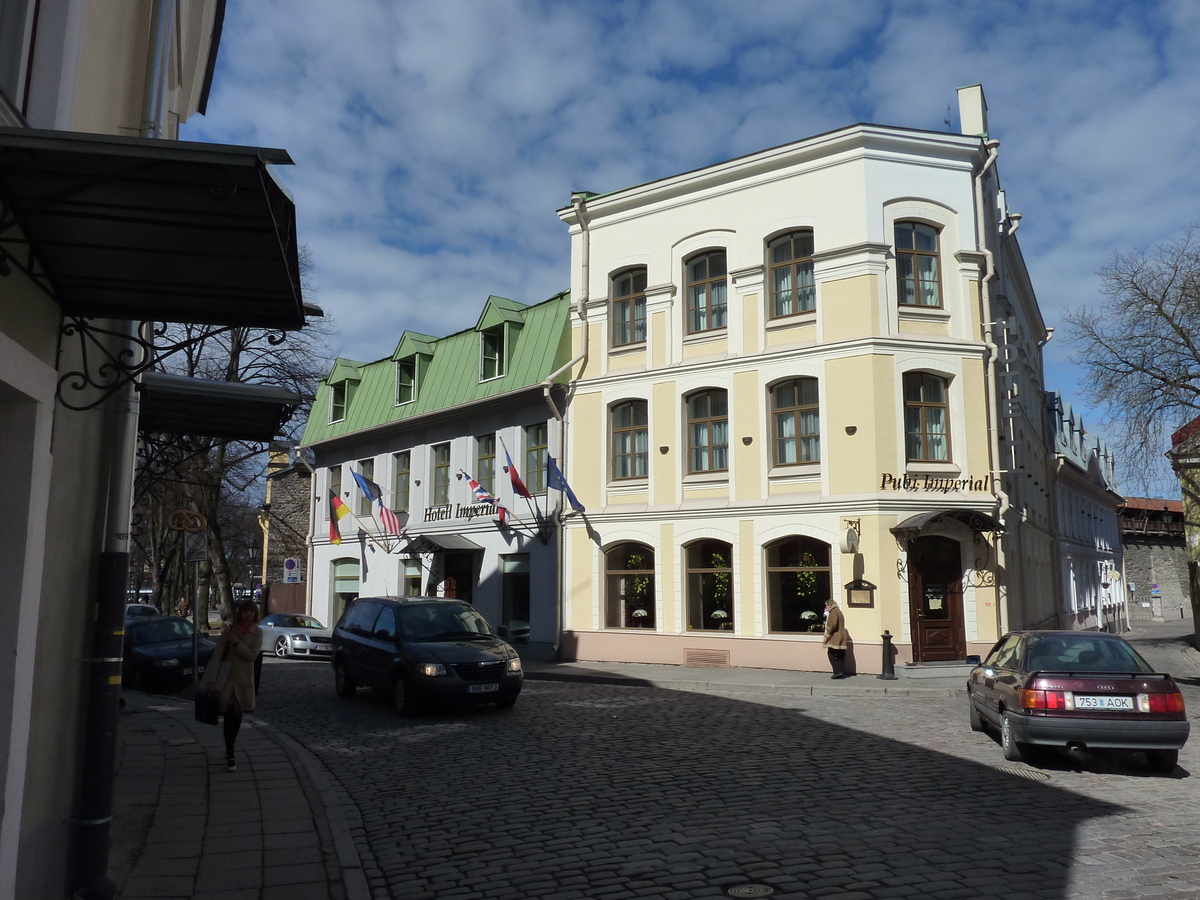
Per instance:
(972,110)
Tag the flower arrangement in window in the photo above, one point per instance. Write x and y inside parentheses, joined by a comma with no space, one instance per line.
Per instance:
(806,588)
(639,589)
(721,593)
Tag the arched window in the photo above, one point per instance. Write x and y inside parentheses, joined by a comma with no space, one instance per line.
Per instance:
(790,260)
(917,264)
(710,586)
(629,586)
(708,431)
(797,418)
(630,440)
(706,290)
(798,584)
(629,307)
(926,417)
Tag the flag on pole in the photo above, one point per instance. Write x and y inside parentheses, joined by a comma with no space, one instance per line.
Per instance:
(374,493)
(557,482)
(518,486)
(482,496)
(337,511)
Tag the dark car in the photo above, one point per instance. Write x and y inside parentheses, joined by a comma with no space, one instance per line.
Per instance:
(158,652)
(421,651)
(140,611)
(1076,689)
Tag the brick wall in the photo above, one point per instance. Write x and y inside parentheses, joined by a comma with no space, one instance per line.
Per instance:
(288,493)
(1160,559)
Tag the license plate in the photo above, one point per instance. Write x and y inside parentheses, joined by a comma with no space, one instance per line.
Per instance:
(1115,703)
(482,688)
(187,671)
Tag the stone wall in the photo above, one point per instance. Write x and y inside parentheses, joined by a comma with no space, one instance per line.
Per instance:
(1155,559)
(288,494)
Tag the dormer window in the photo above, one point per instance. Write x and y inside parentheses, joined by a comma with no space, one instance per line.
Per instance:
(491,354)
(337,402)
(406,380)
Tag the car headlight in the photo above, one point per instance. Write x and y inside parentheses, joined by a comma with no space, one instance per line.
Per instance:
(166,662)
(431,669)
(514,664)
(302,638)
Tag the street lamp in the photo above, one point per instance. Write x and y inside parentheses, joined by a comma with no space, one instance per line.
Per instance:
(254,554)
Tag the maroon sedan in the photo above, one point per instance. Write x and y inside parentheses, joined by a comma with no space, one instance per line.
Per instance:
(1076,689)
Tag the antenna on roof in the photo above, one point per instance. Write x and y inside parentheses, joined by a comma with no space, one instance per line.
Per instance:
(947,119)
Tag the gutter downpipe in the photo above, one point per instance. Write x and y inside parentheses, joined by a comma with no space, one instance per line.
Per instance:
(987,320)
(579,305)
(103,681)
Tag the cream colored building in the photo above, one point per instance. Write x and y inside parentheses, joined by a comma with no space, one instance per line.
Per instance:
(811,371)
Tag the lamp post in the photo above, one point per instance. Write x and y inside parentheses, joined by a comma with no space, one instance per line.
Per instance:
(254,554)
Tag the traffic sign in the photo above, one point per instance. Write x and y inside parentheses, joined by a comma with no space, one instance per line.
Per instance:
(291,570)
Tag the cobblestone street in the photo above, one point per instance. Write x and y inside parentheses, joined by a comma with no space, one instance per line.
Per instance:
(608,792)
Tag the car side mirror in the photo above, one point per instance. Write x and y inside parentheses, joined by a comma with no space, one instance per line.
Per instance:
(503,632)
(973,660)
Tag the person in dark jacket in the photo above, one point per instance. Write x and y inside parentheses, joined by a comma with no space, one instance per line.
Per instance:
(836,638)
(239,646)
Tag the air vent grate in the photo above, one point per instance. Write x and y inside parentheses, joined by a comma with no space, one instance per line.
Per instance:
(709,659)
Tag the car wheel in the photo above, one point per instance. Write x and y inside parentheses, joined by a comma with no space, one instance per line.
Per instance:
(281,647)
(507,702)
(1163,761)
(1013,751)
(973,713)
(402,698)
(342,682)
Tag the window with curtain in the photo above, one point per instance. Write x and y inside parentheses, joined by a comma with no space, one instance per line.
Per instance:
(536,447)
(441,475)
(366,468)
(710,586)
(789,258)
(411,574)
(485,462)
(799,581)
(401,470)
(706,292)
(917,264)
(708,432)
(926,417)
(629,307)
(629,586)
(630,440)
(797,416)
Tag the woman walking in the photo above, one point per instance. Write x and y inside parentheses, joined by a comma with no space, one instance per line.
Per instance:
(233,660)
(836,638)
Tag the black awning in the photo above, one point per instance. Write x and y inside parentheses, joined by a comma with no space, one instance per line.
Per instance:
(143,229)
(976,520)
(436,543)
(173,404)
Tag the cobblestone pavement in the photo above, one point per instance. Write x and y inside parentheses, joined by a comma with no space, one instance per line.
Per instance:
(610,792)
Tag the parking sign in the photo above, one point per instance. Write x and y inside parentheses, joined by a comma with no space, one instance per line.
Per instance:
(291,570)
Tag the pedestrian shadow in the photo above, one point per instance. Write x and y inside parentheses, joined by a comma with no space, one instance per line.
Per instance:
(663,792)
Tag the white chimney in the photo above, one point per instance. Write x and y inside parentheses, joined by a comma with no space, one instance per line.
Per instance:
(972,110)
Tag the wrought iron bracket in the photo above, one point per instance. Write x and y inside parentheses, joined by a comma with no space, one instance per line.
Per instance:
(110,359)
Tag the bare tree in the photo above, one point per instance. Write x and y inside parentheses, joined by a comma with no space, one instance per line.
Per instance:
(1141,349)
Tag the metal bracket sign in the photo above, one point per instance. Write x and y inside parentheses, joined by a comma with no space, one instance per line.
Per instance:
(186,520)
(195,546)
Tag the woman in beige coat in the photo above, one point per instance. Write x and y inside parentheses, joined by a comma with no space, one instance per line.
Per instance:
(836,638)
(239,646)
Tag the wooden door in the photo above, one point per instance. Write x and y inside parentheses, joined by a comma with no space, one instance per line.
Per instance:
(935,599)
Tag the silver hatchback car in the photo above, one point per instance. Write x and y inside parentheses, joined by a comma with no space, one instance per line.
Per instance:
(291,634)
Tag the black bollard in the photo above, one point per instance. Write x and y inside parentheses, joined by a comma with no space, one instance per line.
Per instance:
(889,667)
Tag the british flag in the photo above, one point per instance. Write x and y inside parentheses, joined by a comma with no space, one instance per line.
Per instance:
(482,496)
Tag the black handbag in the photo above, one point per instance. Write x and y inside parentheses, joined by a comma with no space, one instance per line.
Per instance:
(206,708)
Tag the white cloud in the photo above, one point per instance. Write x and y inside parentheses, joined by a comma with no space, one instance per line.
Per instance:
(435,140)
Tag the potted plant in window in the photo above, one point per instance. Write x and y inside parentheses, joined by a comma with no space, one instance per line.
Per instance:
(806,590)
(721,595)
(639,589)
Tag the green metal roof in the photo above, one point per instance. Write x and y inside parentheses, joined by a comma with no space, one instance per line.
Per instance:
(541,344)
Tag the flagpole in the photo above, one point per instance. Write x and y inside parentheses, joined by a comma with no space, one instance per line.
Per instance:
(528,500)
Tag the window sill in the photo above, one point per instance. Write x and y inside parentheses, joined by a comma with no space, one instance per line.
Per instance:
(493,378)
(707,479)
(621,349)
(938,313)
(932,468)
(808,317)
(701,337)
(799,474)
(628,486)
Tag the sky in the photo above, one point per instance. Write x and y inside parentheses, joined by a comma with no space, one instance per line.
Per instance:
(435,139)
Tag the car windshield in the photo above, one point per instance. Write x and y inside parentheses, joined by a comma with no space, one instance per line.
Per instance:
(160,632)
(298,622)
(1082,653)
(444,620)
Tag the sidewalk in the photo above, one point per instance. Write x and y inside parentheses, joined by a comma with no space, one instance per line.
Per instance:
(183,827)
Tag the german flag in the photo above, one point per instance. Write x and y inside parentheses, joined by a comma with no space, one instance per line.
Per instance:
(337,511)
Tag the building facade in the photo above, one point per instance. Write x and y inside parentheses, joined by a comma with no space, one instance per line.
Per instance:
(422,424)
(1156,569)
(810,372)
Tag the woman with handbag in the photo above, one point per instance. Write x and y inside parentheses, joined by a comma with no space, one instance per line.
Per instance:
(230,672)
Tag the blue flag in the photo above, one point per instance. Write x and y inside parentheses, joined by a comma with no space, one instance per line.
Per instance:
(556,482)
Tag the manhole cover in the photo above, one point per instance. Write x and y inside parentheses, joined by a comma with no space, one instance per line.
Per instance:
(1031,774)
(751,890)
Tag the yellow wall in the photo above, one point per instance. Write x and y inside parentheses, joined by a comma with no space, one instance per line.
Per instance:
(658,340)
(112,66)
(747,599)
(851,307)
(975,402)
(663,408)
(860,391)
(588,455)
(748,421)
(628,359)
(805,333)
(579,590)
(702,349)
(924,326)
(668,588)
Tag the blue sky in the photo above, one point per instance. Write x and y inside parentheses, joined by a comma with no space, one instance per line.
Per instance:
(434,140)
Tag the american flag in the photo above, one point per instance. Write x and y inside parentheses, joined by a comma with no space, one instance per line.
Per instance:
(391,523)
